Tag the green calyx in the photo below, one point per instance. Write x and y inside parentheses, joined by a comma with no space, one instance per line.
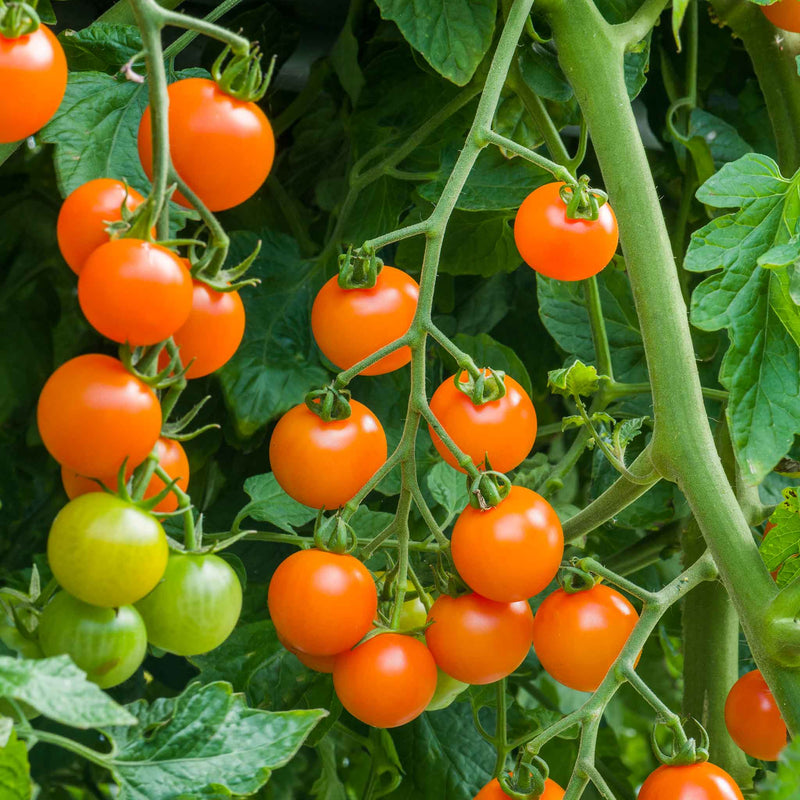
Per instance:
(334,534)
(329,404)
(18,19)
(143,363)
(243,77)
(359,270)
(574,579)
(488,489)
(582,201)
(685,751)
(527,782)
(481,386)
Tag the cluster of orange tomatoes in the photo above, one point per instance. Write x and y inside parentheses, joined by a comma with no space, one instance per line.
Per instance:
(122,588)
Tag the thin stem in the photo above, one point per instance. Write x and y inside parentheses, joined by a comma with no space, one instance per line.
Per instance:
(427,514)
(501,733)
(183,41)
(596,568)
(403,537)
(597,324)
(558,172)
(417,229)
(238,44)
(185,505)
(37,735)
(343,378)
(143,474)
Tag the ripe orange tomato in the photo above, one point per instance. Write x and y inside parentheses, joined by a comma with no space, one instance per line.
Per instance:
(93,414)
(701,781)
(753,718)
(171,456)
(577,637)
(509,552)
(323,464)
(387,681)
(134,291)
(476,640)
(212,333)
(221,147)
(559,247)
(81,227)
(784,14)
(351,324)
(33,79)
(322,603)
(493,791)
(504,430)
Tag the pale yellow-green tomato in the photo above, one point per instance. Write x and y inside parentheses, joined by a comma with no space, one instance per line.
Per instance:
(447,690)
(413,614)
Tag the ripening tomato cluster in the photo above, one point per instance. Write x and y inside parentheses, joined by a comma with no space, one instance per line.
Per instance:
(122,588)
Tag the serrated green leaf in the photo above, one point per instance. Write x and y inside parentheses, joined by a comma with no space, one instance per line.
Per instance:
(205,737)
(783,540)
(578,379)
(56,688)
(780,255)
(761,368)
(722,139)
(15,771)
(452,35)
(447,487)
(277,362)
(101,47)
(271,504)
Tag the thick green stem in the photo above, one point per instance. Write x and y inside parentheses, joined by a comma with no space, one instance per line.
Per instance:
(591,54)
(773,53)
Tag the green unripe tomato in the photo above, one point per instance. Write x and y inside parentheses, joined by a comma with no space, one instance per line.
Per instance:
(14,640)
(447,690)
(413,614)
(108,644)
(195,607)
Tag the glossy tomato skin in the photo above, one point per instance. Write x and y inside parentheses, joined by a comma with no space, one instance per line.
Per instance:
(213,331)
(504,429)
(33,79)
(221,147)
(559,247)
(577,637)
(386,681)
(476,640)
(509,552)
(493,791)
(753,718)
(82,220)
(171,456)
(785,14)
(351,324)
(325,463)
(702,781)
(322,603)
(195,606)
(93,414)
(106,551)
(135,291)
(108,644)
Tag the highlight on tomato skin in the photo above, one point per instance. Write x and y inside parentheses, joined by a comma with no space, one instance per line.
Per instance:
(703,781)
(753,718)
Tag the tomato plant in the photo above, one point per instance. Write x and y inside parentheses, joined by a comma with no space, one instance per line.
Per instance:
(33,78)
(386,681)
(109,644)
(106,551)
(195,605)
(578,636)
(703,781)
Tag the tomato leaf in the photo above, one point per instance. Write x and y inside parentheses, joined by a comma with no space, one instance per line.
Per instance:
(205,737)
(447,487)
(782,784)
(783,539)
(576,380)
(269,503)
(15,771)
(761,369)
(56,688)
(452,35)
(103,46)
(276,363)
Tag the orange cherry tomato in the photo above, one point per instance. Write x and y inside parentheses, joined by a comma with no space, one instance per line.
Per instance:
(134,291)
(171,456)
(323,464)
(351,324)
(753,718)
(476,640)
(33,79)
(322,603)
(559,247)
(509,552)
(387,681)
(221,147)
(577,637)
(493,791)
(785,14)
(701,781)
(504,429)
(93,414)
(82,220)
(212,333)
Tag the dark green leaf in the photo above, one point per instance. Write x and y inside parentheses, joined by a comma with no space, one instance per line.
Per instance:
(269,503)
(101,47)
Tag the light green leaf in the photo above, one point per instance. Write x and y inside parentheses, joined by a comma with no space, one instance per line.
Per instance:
(452,35)
(271,504)
(56,688)
(678,13)
(205,737)
(447,487)
(578,379)
(783,539)
(15,771)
